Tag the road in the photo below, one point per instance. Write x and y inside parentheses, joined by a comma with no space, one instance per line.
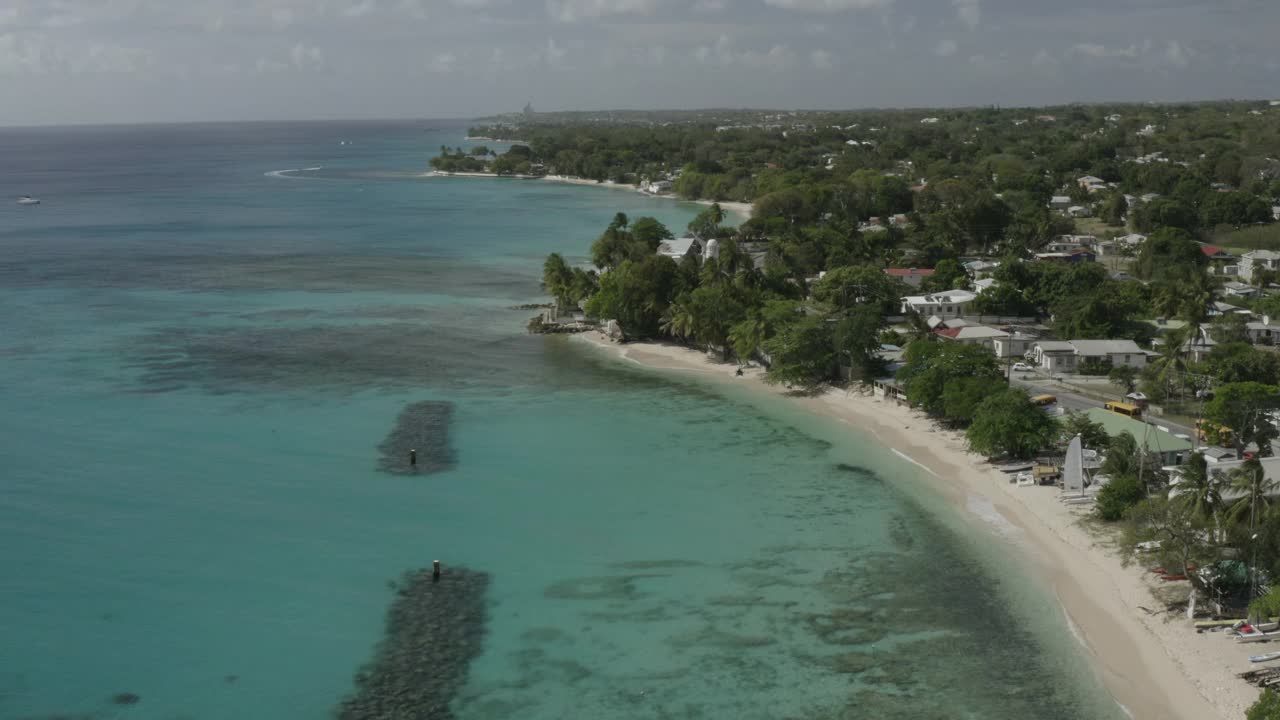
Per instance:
(1069,400)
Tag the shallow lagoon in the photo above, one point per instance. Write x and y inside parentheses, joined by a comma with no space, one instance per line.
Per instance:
(199,362)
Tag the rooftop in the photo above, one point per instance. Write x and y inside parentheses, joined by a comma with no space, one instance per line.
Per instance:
(1148,436)
(908,272)
(1090,348)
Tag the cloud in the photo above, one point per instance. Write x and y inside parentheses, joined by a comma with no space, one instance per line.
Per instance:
(306,57)
(969,12)
(1094,50)
(567,11)
(442,63)
(821,60)
(1177,54)
(360,9)
(829,5)
(946,48)
(723,54)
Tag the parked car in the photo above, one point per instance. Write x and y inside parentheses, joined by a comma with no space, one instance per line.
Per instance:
(1022,367)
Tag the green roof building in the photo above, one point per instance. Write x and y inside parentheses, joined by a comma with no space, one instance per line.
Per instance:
(1171,448)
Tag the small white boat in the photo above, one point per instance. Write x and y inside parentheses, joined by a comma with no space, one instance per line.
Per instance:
(28,200)
(1258,633)
(1026,479)
(1267,657)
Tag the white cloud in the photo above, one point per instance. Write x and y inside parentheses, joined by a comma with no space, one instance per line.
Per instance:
(1176,54)
(1044,59)
(444,62)
(1094,50)
(552,54)
(946,48)
(575,10)
(723,54)
(829,5)
(360,9)
(306,57)
(821,59)
(969,11)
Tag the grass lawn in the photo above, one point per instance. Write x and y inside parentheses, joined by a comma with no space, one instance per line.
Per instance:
(1257,237)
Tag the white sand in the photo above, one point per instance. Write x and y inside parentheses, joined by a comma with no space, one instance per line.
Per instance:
(740,209)
(1156,666)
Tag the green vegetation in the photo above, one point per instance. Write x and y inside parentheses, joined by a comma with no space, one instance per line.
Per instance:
(1266,708)
(838,198)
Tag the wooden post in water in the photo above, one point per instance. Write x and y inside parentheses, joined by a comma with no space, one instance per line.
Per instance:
(413,458)
(435,570)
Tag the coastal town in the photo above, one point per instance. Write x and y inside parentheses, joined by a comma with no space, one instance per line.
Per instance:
(1087,296)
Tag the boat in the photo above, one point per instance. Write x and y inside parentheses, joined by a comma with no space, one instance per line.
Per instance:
(28,200)
(1026,479)
(1265,657)
(1013,467)
(1073,472)
(1258,633)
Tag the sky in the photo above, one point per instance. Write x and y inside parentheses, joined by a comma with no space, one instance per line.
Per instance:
(111,61)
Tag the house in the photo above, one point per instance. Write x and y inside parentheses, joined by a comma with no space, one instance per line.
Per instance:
(1218,308)
(1066,356)
(972,335)
(1171,449)
(1115,352)
(1089,181)
(899,220)
(979,269)
(1275,212)
(910,276)
(1262,332)
(1239,290)
(1148,197)
(1060,202)
(929,121)
(1079,211)
(1258,260)
(1216,254)
(1054,356)
(981,286)
(889,389)
(945,304)
(1067,243)
(1013,345)
(678,248)
(658,187)
(1133,240)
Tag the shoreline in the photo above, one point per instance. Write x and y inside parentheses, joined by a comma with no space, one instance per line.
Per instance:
(741,210)
(1155,666)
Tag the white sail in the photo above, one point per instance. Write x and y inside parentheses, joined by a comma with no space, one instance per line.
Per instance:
(1073,472)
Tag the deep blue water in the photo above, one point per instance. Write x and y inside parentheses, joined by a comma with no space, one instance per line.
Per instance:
(199,358)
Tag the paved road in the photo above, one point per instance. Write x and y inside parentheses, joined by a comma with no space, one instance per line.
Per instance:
(1068,400)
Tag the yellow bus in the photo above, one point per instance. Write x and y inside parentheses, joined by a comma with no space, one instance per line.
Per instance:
(1213,433)
(1126,409)
(1043,400)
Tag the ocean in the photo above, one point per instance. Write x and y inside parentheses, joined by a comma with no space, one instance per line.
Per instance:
(209,370)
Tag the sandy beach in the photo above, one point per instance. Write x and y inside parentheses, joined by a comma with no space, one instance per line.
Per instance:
(740,210)
(1153,663)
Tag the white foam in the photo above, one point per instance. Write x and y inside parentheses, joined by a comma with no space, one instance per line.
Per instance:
(913,461)
(985,510)
(289,173)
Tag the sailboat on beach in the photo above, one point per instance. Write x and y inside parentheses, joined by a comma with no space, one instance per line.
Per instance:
(1073,476)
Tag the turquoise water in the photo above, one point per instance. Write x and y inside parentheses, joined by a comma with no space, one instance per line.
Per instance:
(199,359)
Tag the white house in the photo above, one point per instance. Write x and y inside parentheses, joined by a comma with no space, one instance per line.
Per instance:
(1066,356)
(1118,352)
(1060,202)
(1233,289)
(910,276)
(972,335)
(1012,346)
(1054,356)
(945,304)
(1262,332)
(1133,240)
(1088,180)
(1275,212)
(1079,211)
(1258,260)
(677,248)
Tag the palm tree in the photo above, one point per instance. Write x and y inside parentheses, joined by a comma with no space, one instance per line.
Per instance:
(918,326)
(1172,360)
(1251,480)
(748,335)
(1200,489)
(679,320)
